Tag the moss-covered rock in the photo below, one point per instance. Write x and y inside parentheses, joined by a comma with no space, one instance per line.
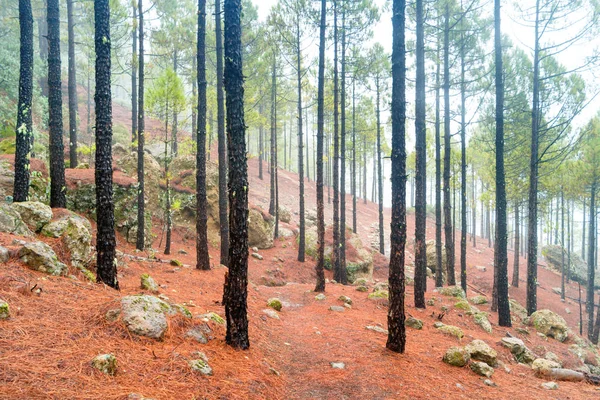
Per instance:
(542,366)
(176,263)
(145,315)
(40,257)
(78,239)
(550,324)
(518,349)
(11,222)
(148,283)
(105,363)
(456,356)
(414,323)
(320,297)
(201,366)
(465,306)
(4,310)
(212,316)
(517,309)
(481,351)
(345,299)
(453,291)
(362,289)
(481,368)
(260,229)
(274,303)
(478,300)
(451,331)
(34,214)
(481,319)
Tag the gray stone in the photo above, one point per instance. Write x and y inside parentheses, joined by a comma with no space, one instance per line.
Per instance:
(4,254)
(271,313)
(320,297)
(550,324)
(518,349)
(11,222)
(257,256)
(145,315)
(105,363)
(345,299)
(33,213)
(148,283)
(338,365)
(481,319)
(550,385)
(337,308)
(481,351)
(4,310)
(260,229)
(489,382)
(454,291)
(201,366)
(414,323)
(200,333)
(478,300)
(284,214)
(456,356)
(542,366)
(376,328)
(78,239)
(40,257)
(481,368)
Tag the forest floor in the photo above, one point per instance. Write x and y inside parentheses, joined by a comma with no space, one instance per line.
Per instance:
(58,325)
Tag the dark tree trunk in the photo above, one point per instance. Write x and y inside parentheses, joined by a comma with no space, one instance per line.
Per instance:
(72,86)
(439,278)
(222,141)
(319,268)
(591,259)
(354,153)
(364,181)
(379,168)
(272,206)
(501,256)
(448,229)
(463,167)
(335,255)
(562,244)
(174,127)
(260,144)
(195,95)
(570,237)
(55,122)
(43,47)
(583,233)
(236,280)
(421,167)
(343,277)
(474,208)
(202,256)
(24,121)
(301,234)
(533,182)
(167,185)
(397,331)
(515,278)
(140,242)
(134,100)
(105,239)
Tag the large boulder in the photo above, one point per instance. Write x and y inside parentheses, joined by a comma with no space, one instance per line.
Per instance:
(34,214)
(550,324)
(260,229)
(78,239)
(11,222)
(456,356)
(481,351)
(518,349)
(553,254)
(152,177)
(145,315)
(432,258)
(284,215)
(57,227)
(40,257)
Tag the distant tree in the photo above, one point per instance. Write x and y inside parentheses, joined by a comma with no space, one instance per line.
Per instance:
(140,242)
(105,239)
(134,61)
(236,280)
(202,256)
(396,317)
(72,87)
(24,124)
(55,123)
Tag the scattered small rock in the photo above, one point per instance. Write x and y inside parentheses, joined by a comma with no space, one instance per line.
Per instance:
(481,351)
(541,366)
(478,300)
(362,289)
(481,319)
(182,251)
(320,297)
(376,328)
(456,356)
(489,382)
(257,256)
(271,313)
(550,385)
(4,310)
(274,303)
(518,349)
(4,254)
(212,316)
(337,308)
(453,291)
(345,299)
(481,368)
(431,302)
(176,263)
(451,330)
(338,365)
(414,323)
(148,283)
(105,363)
(201,366)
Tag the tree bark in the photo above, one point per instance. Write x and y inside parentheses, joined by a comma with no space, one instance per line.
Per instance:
(72,87)
(301,233)
(55,122)
(343,277)
(379,168)
(396,340)
(236,280)
(134,100)
(354,174)
(421,167)
(24,129)
(222,141)
(515,278)
(562,244)
(335,254)
(439,278)
(140,242)
(202,256)
(463,166)
(591,259)
(105,239)
(272,208)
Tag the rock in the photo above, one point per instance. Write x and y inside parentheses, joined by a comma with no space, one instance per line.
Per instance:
(145,315)
(345,299)
(517,309)
(272,281)
(478,300)
(451,330)
(376,328)
(260,229)
(113,315)
(4,254)
(105,363)
(432,258)
(361,282)
(285,232)
(379,286)
(201,366)
(453,291)
(578,268)
(550,385)
(480,268)
(11,222)
(557,290)
(119,151)
(181,309)
(78,239)
(414,323)
(34,214)
(481,351)
(465,306)
(362,289)
(257,256)
(542,366)
(200,333)
(284,214)
(337,308)
(337,365)
(320,297)
(481,368)
(550,324)
(271,313)
(518,349)
(148,283)
(212,316)
(456,356)
(489,382)
(274,303)
(40,257)
(137,396)
(552,357)
(176,263)
(379,295)
(481,319)
(431,302)
(56,228)
(4,310)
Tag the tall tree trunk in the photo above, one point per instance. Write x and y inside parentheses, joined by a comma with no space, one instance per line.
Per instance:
(562,244)
(501,256)
(72,87)
(194,106)
(515,278)
(140,242)
(533,179)
(396,340)
(202,256)
(364,181)
(272,206)
(301,234)
(379,168)
(463,166)
(320,267)
(167,182)
(106,266)
(43,49)
(134,100)
(421,167)
(570,238)
(474,208)
(343,278)
(583,233)
(24,121)
(335,256)
(236,280)
(354,175)
(260,144)
(439,278)
(222,141)
(174,127)
(589,304)
(448,229)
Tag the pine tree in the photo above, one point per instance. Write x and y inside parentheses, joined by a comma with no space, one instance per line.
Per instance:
(105,238)
(24,124)
(140,242)
(72,87)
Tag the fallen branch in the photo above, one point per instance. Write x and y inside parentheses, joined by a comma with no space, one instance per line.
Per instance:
(563,374)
